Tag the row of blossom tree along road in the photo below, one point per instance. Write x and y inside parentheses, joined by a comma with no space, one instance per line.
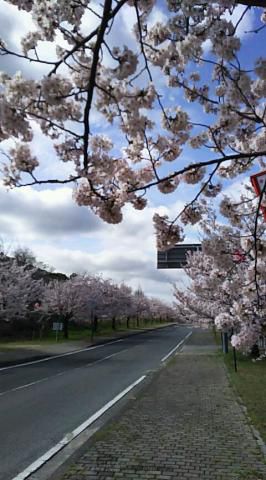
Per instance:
(29,302)
(142,91)
(228,278)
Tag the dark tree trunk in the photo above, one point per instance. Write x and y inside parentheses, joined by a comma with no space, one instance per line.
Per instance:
(225,342)
(95,323)
(114,323)
(92,329)
(128,322)
(255,351)
(138,321)
(65,327)
(41,329)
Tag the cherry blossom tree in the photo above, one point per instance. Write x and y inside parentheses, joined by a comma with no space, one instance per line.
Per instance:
(104,300)
(83,299)
(192,42)
(67,299)
(119,302)
(24,256)
(126,302)
(19,291)
(141,305)
(160,311)
(97,291)
(228,281)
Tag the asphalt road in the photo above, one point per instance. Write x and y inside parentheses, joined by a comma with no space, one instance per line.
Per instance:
(43,401)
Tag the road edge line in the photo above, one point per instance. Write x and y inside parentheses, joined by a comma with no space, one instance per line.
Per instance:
(33,467)
(60,355)
(91,347)
(41,380)
(176,347)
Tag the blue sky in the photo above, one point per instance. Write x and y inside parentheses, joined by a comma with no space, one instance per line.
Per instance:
(71,238)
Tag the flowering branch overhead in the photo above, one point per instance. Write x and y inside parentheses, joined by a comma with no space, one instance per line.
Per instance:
(253,3)
(116,161)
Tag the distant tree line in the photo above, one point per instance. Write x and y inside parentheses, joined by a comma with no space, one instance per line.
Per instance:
(32,297)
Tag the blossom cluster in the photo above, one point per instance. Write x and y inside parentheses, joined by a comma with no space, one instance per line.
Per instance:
(167,234)
(228,279)
(130,87)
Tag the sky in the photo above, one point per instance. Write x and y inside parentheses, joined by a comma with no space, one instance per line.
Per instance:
(71,238)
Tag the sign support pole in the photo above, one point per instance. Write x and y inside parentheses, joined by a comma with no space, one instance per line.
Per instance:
(234,355)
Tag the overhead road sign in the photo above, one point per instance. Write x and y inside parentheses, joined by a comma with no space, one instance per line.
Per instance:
(175,257)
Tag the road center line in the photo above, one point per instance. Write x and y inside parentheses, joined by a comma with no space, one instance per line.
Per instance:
(62,373)
(47,359)
(106,358)
(70,436)
(74,352)
(176,347)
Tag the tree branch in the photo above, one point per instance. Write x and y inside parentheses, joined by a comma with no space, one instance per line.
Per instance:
(216,161)
(53,180)
(253,3)
(86,39)
(91,85)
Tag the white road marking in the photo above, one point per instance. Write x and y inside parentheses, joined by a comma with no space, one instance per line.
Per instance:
(47,359)
(60,373)
(74,352)
(29,384)
(176,347)
(70,436)
(106,358)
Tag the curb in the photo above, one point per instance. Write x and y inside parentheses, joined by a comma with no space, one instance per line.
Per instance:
(34,358)
(57,466)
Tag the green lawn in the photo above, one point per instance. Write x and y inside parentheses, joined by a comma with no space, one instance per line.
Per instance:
(49,337)
(79,334)
(250,384)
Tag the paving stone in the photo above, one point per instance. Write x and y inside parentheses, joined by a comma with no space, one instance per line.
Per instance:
(185,425)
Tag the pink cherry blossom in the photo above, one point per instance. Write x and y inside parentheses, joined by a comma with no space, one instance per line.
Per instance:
(141,93)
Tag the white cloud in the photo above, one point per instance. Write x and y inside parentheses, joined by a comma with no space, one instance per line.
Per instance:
(15,22)
(71,238)
(237,188)
(30,215)
(90,21)
(129,266)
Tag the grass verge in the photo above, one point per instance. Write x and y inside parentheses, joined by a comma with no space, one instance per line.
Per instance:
(79,334)
(250,384)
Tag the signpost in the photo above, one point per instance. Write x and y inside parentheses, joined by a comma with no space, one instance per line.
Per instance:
(175,257)
(57,327)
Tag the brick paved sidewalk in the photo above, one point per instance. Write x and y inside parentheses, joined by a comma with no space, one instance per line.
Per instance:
(186,424)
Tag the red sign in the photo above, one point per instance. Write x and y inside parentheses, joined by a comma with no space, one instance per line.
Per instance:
(258,183)
(239,257)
